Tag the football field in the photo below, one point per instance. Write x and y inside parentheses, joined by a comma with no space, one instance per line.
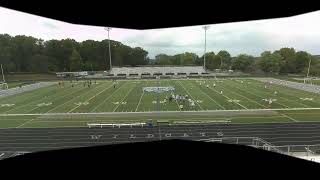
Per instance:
(238,100)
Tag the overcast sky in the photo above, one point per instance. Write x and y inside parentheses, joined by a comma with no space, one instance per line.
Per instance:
(252,37)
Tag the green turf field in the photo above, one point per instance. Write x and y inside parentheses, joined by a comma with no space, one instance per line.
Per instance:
(240,102)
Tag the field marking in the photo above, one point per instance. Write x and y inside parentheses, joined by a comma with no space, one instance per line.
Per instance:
(140,99)
(25,123)
(73,98)
(283,88)
(264,97)
(294,120)
(182,118)
(252,100)
(233,93)
(298,113)
(211,98)
(145,112)
(65,96)
(124,98)
(33,109)
(32,97)
(178,105)
(8,98)
(287,98)
(228,98)
(107,98)
(189,94)
(92,97)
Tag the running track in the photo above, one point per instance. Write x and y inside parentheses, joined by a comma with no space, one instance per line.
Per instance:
(39,139)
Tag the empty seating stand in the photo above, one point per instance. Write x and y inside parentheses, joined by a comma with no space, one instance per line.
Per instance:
(157,70)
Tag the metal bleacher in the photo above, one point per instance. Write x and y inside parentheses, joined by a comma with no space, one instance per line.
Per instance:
(158,70)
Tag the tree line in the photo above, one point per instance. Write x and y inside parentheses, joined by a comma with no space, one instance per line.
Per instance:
(283,61)
(28,54)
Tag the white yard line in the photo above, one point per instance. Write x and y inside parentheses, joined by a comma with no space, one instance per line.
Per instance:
(91,98)
(140,100)
(24,123)
(107,98)
(212,99)
(228,98)
(305,105)
(123,98)
(68,100)
(248,98)
(30,102)
(289,117)
(265,97)
(33,109)
(190,94)
(174,100)
(294,101)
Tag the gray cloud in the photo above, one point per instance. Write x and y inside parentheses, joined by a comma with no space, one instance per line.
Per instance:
(251,37)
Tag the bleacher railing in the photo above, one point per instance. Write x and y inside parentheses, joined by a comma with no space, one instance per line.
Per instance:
(292,150)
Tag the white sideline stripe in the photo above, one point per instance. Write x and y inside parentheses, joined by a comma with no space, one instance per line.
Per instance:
(2,154)
(189,94)
(165,112)
(107,98)
(117,124)
(91,97)
(124,98)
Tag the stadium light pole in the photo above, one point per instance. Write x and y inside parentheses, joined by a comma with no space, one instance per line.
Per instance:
(205,45)
(108,29)
(2,74)
(308,68)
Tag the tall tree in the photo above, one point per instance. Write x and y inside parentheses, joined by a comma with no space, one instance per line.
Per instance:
(75,61)
(289,60)
(225,59)
(243,62)
(270,62)
(302,61)
(210,64)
